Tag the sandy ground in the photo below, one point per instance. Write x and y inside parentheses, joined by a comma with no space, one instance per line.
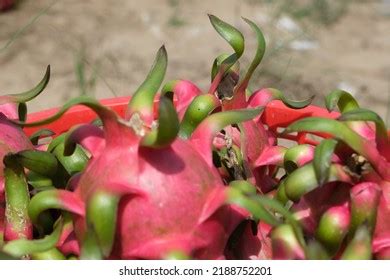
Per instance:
(119,39)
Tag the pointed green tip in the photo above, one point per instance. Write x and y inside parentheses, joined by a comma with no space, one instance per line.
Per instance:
(143,98)
(342,99)
(27,95)
(213,19)
(42,133)
(229,33)
(261,46)
(47,74)
(168,126)
(259,35)
(46,78)
(40,87)
(298,104)
(295,104)
(162,52)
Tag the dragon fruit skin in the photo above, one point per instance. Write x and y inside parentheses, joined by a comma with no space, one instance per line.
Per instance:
(192,229)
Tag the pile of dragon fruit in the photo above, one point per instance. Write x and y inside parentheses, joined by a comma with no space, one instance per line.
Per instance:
(187,173)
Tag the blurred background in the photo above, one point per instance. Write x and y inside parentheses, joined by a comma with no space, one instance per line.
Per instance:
(105,48)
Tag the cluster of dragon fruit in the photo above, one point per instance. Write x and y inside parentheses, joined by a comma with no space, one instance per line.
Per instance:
(192,174)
